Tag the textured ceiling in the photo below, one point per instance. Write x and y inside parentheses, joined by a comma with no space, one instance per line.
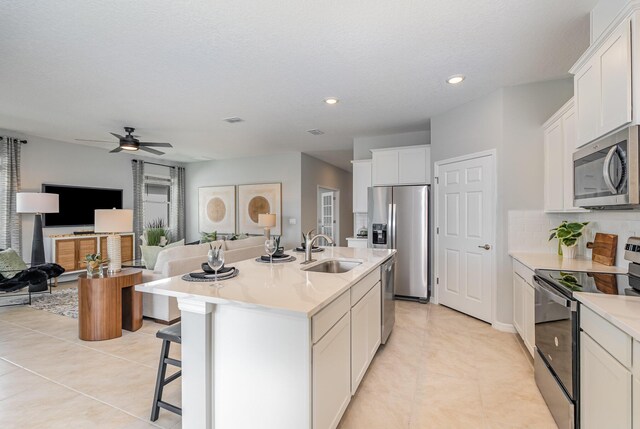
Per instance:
(175,69)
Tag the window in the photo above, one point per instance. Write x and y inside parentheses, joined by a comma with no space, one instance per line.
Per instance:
(156,199)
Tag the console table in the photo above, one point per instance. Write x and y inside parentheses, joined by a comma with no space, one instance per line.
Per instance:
(108,304)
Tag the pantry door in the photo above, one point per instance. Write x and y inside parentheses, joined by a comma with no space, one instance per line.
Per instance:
(465,234)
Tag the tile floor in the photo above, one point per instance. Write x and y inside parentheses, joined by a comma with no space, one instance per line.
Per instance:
(440,369)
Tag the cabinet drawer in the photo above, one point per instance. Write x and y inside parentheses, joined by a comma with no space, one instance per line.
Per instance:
(329,316)
(612,339)
(523,271)
(361,288)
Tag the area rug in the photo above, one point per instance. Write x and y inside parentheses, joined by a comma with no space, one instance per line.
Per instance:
(63,302)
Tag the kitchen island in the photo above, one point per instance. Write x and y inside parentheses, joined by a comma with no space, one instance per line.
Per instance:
(278,346)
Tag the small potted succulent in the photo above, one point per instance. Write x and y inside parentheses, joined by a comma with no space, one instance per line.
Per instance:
(94,264)
(567,234)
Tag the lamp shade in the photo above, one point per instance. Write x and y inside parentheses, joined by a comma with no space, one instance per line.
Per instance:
(113,220)
(36,202)
(267,220)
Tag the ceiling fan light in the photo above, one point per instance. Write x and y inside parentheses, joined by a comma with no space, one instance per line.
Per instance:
(129,147)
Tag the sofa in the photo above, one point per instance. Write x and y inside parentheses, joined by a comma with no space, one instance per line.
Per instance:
(185,259)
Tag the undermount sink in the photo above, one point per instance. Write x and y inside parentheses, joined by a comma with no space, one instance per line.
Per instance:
(333,266)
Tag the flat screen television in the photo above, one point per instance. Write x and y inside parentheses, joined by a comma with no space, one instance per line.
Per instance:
(77,204)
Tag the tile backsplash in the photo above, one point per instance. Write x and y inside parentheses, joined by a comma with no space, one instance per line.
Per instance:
(529,230)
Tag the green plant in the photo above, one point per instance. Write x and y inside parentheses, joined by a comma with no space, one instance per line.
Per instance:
(567,233)
(94,260)
(155,230)
(207,237)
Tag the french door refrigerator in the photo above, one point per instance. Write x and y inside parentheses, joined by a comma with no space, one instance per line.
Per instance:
(398,218)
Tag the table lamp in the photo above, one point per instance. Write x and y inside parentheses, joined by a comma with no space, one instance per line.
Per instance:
(267,221)
(114,222)
(38,203)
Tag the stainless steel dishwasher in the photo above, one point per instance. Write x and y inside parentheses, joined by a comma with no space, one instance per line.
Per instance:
(388,277)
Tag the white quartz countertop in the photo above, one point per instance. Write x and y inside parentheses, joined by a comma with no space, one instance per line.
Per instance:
(283,286)
(551,261)
(621,311)
(357,238)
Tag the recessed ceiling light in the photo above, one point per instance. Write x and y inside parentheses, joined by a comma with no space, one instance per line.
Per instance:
(233,120)
(455,79)
(331,100)
(315,132)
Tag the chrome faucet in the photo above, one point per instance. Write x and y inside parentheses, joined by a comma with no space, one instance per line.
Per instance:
(309,240)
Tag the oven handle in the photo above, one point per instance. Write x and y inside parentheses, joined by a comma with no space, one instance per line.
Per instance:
(606,170)
(555,296)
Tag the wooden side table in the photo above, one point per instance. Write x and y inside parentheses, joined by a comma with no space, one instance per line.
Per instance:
(108,304)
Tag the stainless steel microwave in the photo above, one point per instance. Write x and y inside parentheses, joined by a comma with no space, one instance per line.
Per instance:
(605,172)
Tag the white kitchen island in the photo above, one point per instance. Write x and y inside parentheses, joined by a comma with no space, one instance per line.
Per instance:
(277,347)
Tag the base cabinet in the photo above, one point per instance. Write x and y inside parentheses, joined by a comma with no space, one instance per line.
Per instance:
(332,375)
(605,388)
(524,304)
(365,334)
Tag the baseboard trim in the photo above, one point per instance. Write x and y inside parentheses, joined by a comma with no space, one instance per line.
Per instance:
(163,322)
(503,327)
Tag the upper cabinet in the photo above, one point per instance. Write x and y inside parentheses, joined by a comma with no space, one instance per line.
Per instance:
(361,183)
(401,166)
(602,84)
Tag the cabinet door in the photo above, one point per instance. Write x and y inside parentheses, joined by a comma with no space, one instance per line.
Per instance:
(569,132)
(126,247)
(615,80)
(554,167)
(66,254)
(84,247)
(332,375)
(529,322)
(587,90)
(374,321)
(412,166)
(636,403)
(518,309)
(359,339)
(605,388)
(361,183)
(385,168)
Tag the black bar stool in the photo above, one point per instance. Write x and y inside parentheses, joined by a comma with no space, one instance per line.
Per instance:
(168,335)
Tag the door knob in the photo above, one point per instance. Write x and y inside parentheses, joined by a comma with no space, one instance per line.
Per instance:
(485,247)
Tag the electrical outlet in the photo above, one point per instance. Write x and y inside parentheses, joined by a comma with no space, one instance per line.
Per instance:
(292,221)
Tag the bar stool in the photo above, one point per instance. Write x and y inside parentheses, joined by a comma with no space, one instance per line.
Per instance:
(168,335)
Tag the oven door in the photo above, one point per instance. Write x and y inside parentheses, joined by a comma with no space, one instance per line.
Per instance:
(556,334)
(603,171)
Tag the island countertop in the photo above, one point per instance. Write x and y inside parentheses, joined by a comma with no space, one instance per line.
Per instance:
(282,287)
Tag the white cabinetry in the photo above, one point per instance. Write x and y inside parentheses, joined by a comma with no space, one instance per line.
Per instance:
(602,85)
(524,304)
(401,166)
(361,184)
(559,145)
(365,334)
(357,242)
(332,375)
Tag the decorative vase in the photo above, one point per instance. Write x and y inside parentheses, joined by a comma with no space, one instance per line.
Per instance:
(93,269)
(569,252)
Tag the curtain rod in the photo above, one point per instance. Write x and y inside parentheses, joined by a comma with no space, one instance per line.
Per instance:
(18,140)
(154,163)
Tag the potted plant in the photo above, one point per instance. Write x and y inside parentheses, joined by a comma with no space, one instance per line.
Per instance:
(157,233)
(208,237)
(567,234)
(94,264)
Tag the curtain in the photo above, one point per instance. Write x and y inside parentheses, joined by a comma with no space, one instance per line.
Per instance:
(10,227)
(177,217)
(138,204)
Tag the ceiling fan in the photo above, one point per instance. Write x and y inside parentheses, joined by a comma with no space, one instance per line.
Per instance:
(131,143)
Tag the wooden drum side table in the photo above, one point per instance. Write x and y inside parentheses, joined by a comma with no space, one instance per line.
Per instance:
(108,304)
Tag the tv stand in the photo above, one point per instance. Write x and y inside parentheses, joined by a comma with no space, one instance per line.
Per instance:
(83,232)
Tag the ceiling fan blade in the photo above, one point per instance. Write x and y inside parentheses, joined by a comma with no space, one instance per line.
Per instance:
(153,151)
(118,136)
(148,144)
(93,141)
(116,150)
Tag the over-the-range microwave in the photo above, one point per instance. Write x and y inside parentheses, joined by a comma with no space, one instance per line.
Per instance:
(606,172)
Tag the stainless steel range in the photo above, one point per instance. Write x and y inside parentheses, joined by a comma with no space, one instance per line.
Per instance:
(556,360)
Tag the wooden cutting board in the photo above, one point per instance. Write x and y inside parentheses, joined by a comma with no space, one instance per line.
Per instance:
(604,248)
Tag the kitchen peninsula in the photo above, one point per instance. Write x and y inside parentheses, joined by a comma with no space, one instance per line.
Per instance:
(279,346)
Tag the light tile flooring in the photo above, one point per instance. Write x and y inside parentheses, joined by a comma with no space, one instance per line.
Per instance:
(440,369)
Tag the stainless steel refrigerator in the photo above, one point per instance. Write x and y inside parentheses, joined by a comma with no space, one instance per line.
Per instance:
(398,218)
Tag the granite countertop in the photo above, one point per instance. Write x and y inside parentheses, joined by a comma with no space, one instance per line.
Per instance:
(282,287)
(622,311)
(552,261)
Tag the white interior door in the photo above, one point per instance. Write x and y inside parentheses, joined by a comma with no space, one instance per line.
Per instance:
(465,234)
(327,215)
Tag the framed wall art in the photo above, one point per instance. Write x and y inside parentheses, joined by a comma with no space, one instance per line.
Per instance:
(254,200)
(217,209)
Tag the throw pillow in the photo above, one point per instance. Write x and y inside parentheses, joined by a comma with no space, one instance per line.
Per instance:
(150,253)
(11,263)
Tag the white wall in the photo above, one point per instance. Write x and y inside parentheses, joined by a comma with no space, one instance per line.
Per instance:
(283,168)
(319,173)
(509,121)
(363,145)
(55,162)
